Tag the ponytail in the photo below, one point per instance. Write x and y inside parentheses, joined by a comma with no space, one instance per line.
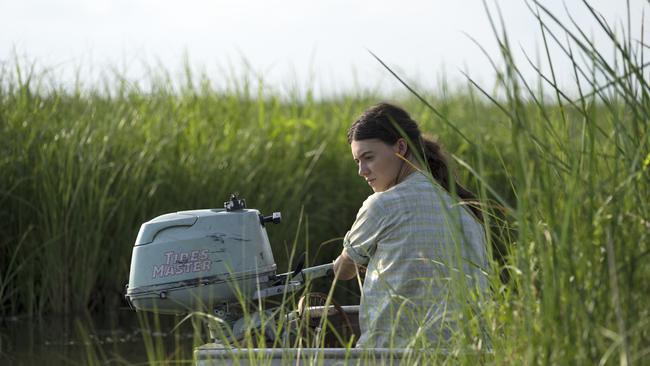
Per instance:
(437,163)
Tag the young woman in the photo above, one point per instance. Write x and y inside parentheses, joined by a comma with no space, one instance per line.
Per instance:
(420,245)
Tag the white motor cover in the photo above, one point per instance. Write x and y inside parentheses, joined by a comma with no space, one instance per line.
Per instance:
(196,260)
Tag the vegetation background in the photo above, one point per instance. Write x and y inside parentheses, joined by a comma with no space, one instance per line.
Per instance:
(564,175)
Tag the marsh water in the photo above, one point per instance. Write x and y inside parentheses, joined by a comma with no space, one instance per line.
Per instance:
(117,338)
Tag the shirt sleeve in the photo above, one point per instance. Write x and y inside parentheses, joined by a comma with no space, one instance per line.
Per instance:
(361,240)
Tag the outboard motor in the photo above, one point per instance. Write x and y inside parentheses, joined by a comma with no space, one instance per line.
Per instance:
(207,260)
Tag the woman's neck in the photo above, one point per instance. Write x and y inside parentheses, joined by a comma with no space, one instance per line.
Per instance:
(408,167)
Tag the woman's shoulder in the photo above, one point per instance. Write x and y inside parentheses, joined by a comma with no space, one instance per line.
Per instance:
(416,187)
(416,183)
(375,201)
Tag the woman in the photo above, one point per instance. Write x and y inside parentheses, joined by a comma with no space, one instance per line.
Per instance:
(421,247)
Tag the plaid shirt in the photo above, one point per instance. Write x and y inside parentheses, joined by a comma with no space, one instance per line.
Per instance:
(414,238)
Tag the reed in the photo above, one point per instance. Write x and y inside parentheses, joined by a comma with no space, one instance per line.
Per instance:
(581,200)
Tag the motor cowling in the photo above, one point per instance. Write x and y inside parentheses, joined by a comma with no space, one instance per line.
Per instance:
(201,259)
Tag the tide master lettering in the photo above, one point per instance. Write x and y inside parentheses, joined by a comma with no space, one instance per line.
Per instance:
(177,263)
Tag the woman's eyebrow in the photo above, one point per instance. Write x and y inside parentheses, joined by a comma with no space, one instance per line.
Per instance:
(363,154)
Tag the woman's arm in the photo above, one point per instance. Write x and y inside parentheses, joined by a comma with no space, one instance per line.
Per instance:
(344,267)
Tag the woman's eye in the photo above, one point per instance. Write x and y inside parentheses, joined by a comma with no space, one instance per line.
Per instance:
(363,158)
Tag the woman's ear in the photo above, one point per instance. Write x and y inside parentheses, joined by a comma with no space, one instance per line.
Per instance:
(402,147)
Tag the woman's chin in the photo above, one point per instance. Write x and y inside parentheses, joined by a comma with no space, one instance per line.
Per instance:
(375,186)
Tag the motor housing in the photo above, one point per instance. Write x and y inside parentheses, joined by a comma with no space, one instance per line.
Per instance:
(201,259)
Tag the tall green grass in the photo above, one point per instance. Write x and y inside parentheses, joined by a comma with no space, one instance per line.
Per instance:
(581,208)
(83,169)
(564,173)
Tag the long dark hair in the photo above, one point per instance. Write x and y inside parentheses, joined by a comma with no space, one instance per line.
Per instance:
(389,123)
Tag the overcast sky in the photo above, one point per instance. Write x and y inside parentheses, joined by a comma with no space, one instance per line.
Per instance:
(288,42)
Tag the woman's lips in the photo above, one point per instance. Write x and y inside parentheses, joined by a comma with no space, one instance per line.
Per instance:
(370,181)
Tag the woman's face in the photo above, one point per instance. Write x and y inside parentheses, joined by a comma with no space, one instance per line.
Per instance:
(377,161)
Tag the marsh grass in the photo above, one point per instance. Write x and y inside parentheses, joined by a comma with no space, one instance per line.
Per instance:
(581,200)
(562,174)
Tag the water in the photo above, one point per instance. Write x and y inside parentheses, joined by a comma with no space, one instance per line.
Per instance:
(119,338)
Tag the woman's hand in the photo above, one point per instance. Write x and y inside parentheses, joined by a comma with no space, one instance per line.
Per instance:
(344,267)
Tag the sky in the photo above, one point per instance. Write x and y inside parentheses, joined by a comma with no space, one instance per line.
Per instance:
(290,44)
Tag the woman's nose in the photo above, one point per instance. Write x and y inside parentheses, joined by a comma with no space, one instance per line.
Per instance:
(363,170)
